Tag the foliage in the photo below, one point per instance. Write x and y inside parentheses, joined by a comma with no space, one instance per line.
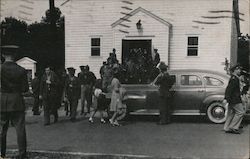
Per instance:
(39,41)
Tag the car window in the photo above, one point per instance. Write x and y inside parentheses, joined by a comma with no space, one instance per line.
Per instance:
(190,80)
(210,81)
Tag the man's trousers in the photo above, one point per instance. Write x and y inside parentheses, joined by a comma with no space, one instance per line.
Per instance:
(17,119)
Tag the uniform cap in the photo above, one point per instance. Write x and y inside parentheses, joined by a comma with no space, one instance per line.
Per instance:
(9,49)
(82,67)
(71,69)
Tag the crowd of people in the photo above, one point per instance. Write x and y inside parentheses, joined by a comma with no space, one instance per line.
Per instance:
(52,91)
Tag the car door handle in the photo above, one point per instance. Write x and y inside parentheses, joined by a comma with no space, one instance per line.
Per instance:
(201,90)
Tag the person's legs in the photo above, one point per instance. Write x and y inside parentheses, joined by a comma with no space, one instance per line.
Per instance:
(46,108)
(83,90)
(73,108)
(230,115)
(163,110)
(88,96)
(36,106)
(18,119)
(4,124)
(238,116)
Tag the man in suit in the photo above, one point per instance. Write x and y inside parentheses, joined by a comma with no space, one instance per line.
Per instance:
(72,92)
(14,83)
(165,82)
(49,94)
(233,98)
(35,84)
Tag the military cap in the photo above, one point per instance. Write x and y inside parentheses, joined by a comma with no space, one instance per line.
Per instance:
(82,67)
(9,49)
(236,66)
(71,69)
(155,50)
(162,66)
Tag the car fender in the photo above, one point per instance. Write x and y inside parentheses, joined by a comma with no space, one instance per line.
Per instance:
(209,99)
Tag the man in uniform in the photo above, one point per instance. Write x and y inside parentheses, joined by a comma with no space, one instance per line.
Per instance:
(87,81)
(165,81)
(233,98)
(14,83)
(48,93)
(72,92)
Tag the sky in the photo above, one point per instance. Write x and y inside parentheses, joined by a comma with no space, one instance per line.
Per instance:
(27,10)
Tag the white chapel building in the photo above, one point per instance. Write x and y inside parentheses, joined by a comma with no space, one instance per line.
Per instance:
(198,34)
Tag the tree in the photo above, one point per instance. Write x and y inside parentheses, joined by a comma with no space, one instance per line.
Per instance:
(15,31)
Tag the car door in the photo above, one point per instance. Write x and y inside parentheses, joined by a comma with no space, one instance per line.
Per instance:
(188,94)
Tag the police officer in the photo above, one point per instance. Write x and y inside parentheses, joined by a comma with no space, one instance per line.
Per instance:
(233,98)
(48,93)
(165,81)
(72,92)
(14,82)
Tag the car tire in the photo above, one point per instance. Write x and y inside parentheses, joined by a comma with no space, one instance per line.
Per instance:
(217,112)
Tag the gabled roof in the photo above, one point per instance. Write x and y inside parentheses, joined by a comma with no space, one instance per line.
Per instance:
(140,9)
(26,59)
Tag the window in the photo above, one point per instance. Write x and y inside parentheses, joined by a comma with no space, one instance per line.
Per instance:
(192,46)
(95,46)
(190,80)
(210,81)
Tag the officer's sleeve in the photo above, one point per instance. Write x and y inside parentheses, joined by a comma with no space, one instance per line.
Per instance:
(25,84)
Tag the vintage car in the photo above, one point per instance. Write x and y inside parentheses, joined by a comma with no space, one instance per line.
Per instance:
(195,92)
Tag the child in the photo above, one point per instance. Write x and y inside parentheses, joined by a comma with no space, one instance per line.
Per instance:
(99,102)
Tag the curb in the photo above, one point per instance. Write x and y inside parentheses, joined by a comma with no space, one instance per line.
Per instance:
(42,154)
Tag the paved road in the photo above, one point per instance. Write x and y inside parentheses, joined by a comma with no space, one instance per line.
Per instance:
(138,136)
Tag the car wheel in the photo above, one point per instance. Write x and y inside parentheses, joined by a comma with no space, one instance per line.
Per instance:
(216,112)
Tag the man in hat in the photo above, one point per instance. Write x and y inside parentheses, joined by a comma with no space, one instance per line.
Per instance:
(87,81)
(49,94)
(233,98)
(72,92)
(14,83)
(165,81)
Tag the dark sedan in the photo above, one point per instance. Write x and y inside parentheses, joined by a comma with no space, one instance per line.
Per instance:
(195,92)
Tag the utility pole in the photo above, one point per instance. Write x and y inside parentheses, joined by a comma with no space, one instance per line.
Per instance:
(52,14)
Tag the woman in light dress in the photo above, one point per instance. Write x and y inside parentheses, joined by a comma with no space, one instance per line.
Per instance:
(117,104)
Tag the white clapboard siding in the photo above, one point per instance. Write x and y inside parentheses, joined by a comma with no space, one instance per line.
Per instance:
(93,18)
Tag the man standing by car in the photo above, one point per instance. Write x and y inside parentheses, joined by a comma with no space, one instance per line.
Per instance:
(233,98)
(14,83)
(165,81)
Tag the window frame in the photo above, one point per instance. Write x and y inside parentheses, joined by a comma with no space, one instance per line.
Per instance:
(205,81)
(193,47)
(95,47)
(193,85)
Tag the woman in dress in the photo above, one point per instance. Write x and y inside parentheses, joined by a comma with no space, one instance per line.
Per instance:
(117,104)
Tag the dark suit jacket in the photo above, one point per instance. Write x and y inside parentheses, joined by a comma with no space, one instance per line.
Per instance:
(14,82)
(49,90)
(165,81)
(232,93)
(72,88)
